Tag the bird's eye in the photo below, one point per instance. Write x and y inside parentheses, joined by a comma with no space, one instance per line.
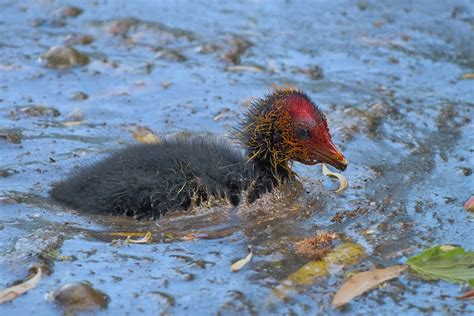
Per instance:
(303,133)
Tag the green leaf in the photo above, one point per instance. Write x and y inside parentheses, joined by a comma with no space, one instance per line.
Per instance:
(447,263)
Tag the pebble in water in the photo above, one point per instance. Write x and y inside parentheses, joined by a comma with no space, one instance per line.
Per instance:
(64,57)
(79,297)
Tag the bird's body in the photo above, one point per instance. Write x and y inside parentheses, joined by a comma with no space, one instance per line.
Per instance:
(149,180)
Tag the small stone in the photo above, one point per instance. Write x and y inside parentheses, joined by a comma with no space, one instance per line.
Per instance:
(79,39)
(165,84)
(60,57)
(145,135)
(315,72)
(171,54)
(362,5)
(7,200)
(85,39)
(38,110)
(5,173)
(393,60)
(466,171)
(14,137)
(79,96)
(76,115)
(79,297)
(71,11)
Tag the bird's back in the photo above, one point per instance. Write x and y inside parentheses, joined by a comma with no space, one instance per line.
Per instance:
(149,180)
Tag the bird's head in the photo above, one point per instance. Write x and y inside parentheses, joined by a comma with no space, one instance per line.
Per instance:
(286,126)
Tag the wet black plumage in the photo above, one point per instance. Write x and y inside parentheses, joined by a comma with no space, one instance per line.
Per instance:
(149,180)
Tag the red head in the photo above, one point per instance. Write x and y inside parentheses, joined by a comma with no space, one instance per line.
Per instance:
(286,126)
(311,132)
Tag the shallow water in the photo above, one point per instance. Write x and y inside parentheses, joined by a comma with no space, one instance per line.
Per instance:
(395,103)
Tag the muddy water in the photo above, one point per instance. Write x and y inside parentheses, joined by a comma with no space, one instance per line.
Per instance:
(390,85)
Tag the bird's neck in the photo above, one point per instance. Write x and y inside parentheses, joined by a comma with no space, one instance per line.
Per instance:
(264,135)
(277,172)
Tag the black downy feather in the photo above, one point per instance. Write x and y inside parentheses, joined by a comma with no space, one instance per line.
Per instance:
(148,180)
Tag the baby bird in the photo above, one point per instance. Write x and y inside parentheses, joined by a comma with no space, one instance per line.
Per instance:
(149,180)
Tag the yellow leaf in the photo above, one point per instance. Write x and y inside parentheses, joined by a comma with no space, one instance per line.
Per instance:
(345,254)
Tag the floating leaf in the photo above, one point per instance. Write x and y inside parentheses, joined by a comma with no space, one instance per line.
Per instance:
(13,292)
(345,254)
(364,281)
(469,205)
(451,264)
(468,76)
(343,183)
(242,262)
(466,296)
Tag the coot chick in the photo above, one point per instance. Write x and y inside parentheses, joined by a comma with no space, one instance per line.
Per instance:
(149,180)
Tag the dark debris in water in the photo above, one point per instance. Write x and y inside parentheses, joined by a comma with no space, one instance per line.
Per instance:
(13,136)
(316,247)
(35,110)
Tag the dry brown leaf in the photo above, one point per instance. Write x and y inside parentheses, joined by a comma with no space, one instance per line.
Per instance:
(469,205)
(145,240)
(468,76)
(466,296)
(13,292)
(364,281)
(343,183)
(242,262)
